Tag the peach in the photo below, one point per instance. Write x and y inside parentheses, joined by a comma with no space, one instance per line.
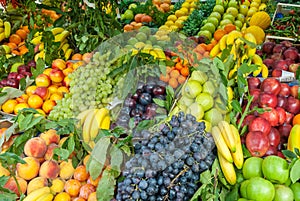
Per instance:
(59,63)
(35,147)
(57,185)
(52,89)
(49,169)
(67,71)
(56,75)
(66,169)
(36,183)
(66,81)
(42,92)
(92,197)
(30,169)
(3,171)
(12,185)
(48,105)
(50,151)
(86,190)
(50,136)
(42,80)
(47,71)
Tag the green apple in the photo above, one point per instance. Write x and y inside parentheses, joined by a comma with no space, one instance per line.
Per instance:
(192,88)
(296,190)
(233,11)
(209,87)
(219,8)
(243,199)
(142,37)
(14,67)
(275,169)
(229,17)
(225,21)
(216,15)
(241,17)
(128,15)
(283,193)
(196,110)
(152,39)
(243,188)
(213,116)
(205,33)
(260,189)
(128,47)
(6,48)
(252,167)
(209,27)
(206,100)
(233,3)
(184,100)
(132,41)
(199,76)
(238,23)
(243,9)
(146,30)
(213,20)
(133,5)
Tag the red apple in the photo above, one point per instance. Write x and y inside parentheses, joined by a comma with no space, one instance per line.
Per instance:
(43,92)
(271,151)
(253,82)
(257,143)
(255,93)
(279,48)
(267,47)
(281,101)
(260,124)
(291,53)
(269,62)
(271,116)
(267,100)
(20,76)
(56,75)
(12,75)
(59,64)
(285,129)
(284,89)
(27,74)
(293,105)
(42,80)
(274,137)
(289,117)
(281,115)
(276,73)
(248,119)
(270,85)
(276,57)
(281,64)
(22,69)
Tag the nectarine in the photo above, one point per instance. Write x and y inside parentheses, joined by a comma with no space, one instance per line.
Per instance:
(35,147)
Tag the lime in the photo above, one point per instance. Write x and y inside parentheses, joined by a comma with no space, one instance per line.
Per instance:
(296,190)
(254,4)
(241,17)
(141,36)
(233,3)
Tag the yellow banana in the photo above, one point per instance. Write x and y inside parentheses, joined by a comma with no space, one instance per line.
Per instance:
(232,71)
(65,47)
(232,36)
(62,36)
(37,34)
(46,197)
(264,71)
(222,42)
(244,58)
(257,71)
(7,29)
(34,195)
(105,123)
(82,116)
(251,52)
(238,42)
(215,50)
(233,51)
(57,30)
(221,144)
(36,40)
(227,134)
(294,138)
(94,129)
(88,123)
(41,46)
(256,59)
(1,23)
(227,169)
(238,157)
(1,29)
(2,36)
(68,53)
(249,37)
(100,115)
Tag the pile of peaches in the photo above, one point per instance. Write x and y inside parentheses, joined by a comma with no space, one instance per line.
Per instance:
(40,170)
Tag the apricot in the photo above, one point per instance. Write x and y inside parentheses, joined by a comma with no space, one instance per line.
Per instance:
(81,173)
(92,197)
(94,182)
(50,136)
(36,183)
(3,171)
(86,159)
(86,190)
(50,151)
(66,169)
(57,185)
(35,147)
(12,185)
(49,169)
(63,196)
(72,187)
(78,199)
(30,169)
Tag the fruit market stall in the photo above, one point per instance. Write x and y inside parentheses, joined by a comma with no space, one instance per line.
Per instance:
(149,100)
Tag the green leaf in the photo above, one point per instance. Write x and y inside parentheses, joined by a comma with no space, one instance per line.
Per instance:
(289,154)
(295,173)
(246,152)
(205,177)
(218,63)
(106,186)
(116,156)
(126,149)
(8,159)
(233,195)
(9,93)
(159,102)
(62,153)
(245,68)
(236,106)
(144,125)
(34,122)
(71,144)
(99,155)
(39,69)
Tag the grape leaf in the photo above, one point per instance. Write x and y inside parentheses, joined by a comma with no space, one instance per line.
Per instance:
(116,156)
(218,63)
(106,186)
(94,168)
(62,153)
(295,173)
(9,93)
(289,154)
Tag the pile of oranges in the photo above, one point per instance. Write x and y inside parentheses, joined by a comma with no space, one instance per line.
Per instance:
(162,5)
(139,19)
(16,41)
(176,74)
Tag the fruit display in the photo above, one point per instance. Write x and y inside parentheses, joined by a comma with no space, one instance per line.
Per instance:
(152,100)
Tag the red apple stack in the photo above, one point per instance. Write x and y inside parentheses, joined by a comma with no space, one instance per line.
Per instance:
(269,131)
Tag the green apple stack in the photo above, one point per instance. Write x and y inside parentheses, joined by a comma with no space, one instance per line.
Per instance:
(268,179)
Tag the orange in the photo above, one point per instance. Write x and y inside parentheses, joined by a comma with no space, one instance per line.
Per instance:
(164,78)
(181,79)
(214,42)
(209,47)
(229,28)
(178,66)
(177,59)
(77,56)
(56,96)
(165,7)
(9,105)
(23,50)
(86,57)
(173,82)
(63,89)
(296,119)
(15,52)
(206,54)
(72,187)
(168,69)
(86,190)
(203,45)
(128,27)
(12,46)
(19,107)
(22,99)
(35,101)
(14,38)
(185,71)
(92,197)
(30,90)
(79,199)
(138,17)
(22,33)
(63,196)
(48,105)
(174,73)
(81,173)
(219,34)
(25,28)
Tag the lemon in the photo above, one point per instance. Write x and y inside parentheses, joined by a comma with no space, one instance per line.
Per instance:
(179,13)
(172,18)
(185,5)
(183,18)
(163,27)
(254,4)
(171,7)
(247,3)
(191,10)
(174,28)
(193,5)
(184,10)
(251,11)
(257,1)
(169,23)
(179,23)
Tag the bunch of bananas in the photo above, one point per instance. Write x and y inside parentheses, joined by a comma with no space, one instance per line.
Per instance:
(5,29)
(241,52)
(60,35)
(230,153)
(91,121)
(294,138)
(40,194)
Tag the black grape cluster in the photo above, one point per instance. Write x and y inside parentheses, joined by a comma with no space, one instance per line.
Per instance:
(140,105)
(167,163)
